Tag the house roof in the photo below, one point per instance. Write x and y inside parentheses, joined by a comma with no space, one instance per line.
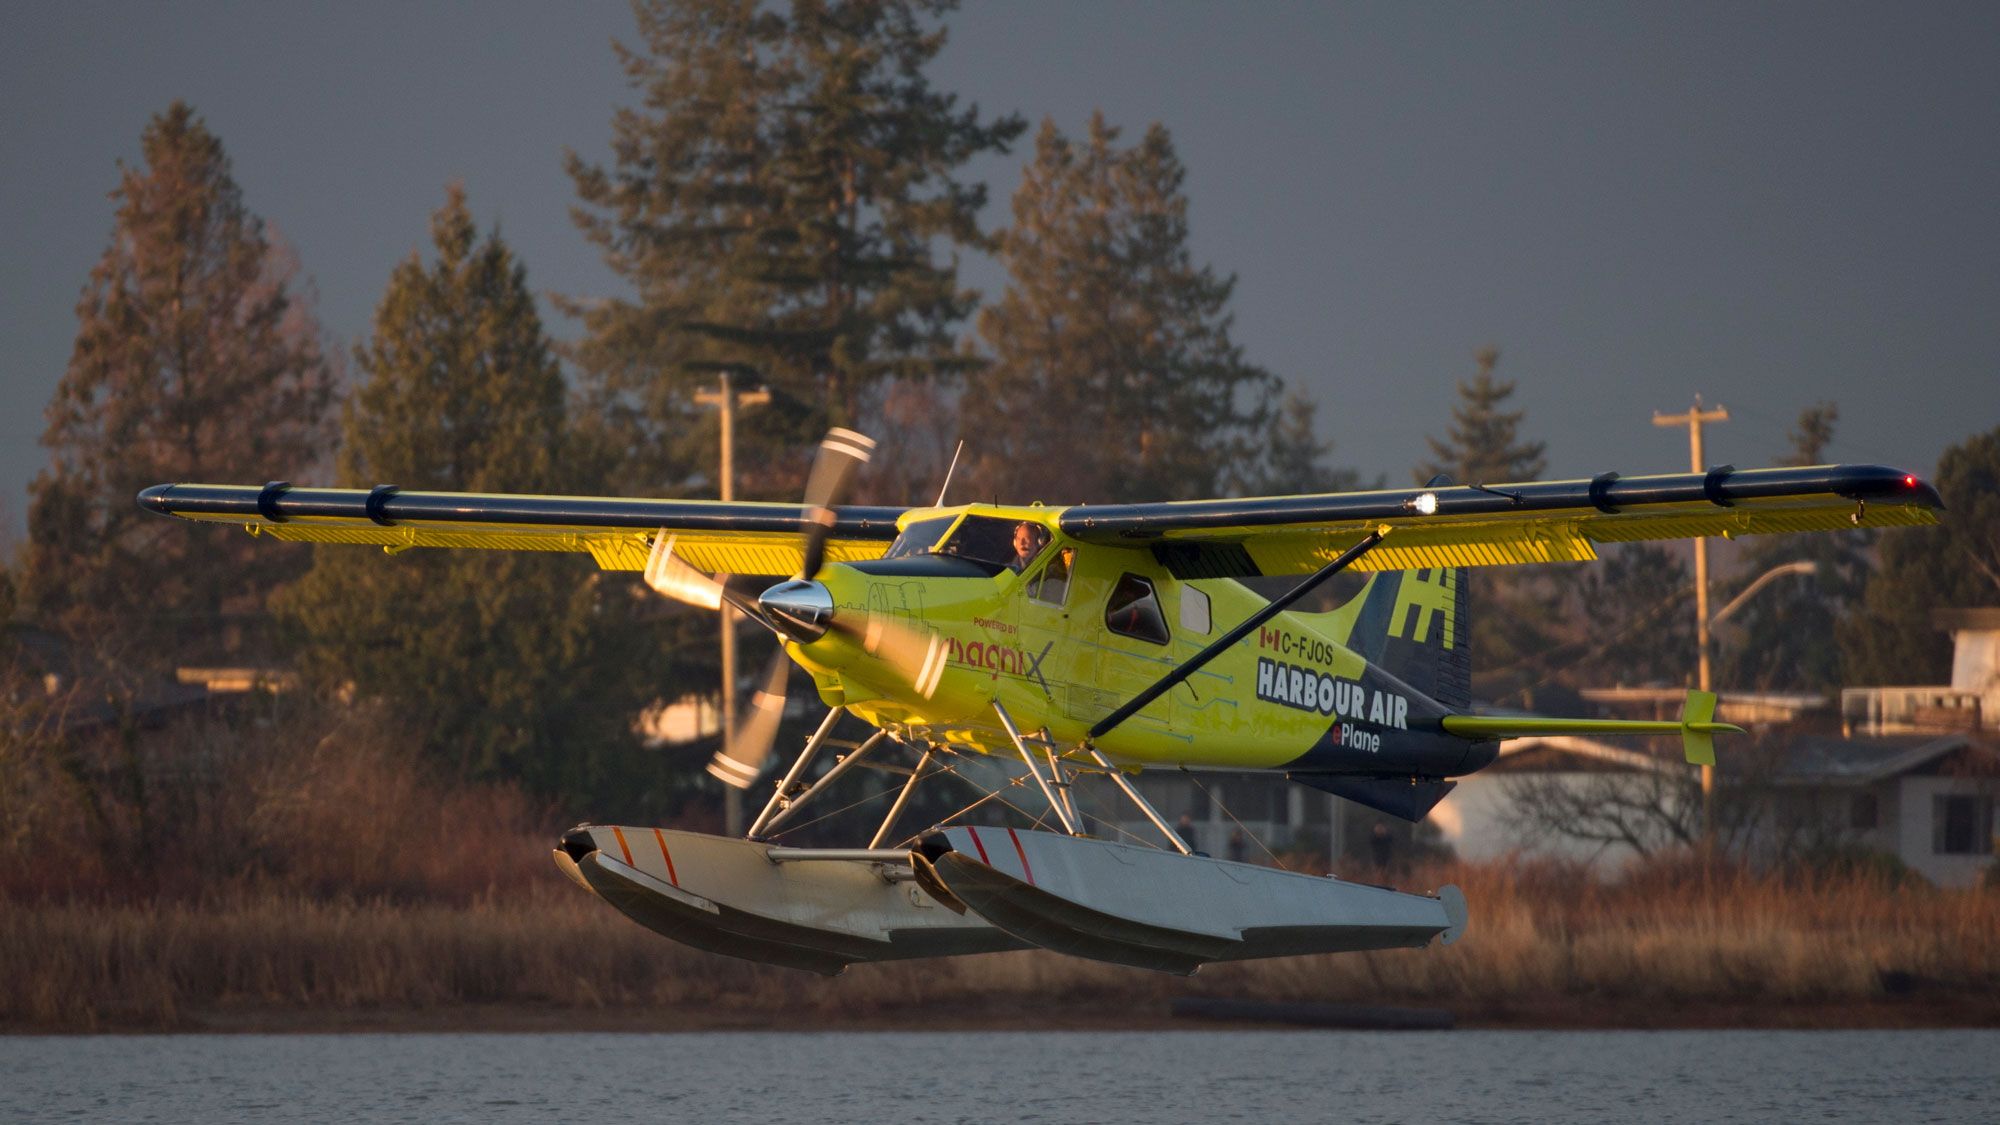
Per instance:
(1802,759)
(1983,618)
(1821,760)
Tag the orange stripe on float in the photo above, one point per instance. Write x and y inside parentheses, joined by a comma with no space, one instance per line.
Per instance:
(974,833)
(622,845)
(1025,869)
(671,877)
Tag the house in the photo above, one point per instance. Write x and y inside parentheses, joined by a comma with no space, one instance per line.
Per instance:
(1914,772)
(1925,798)
(1485,817)
(1970,702)
(1226,813)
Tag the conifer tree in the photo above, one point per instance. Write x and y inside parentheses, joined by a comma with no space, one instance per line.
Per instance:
(197,357)
(1780,639)
(1515,614)
(1640,632)
(501,661)
(1295,460)
(782,204)
(1952,566)
(1114,375)
(1483,445)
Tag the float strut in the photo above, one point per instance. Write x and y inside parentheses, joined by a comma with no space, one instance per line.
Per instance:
(1027,756)
(1118,776)
(839,768)
(902,799)
(799,765)
(1059,781)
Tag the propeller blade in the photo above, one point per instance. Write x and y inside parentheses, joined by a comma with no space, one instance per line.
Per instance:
(677,580)
(841,453)
(739,763)
(916,653)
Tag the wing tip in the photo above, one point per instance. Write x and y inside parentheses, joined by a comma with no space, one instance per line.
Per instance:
(156,499)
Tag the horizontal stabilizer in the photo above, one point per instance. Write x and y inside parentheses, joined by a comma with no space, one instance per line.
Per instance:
(1411,798)
(1697,727)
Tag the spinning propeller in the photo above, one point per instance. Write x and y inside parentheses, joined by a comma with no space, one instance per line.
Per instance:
(799,610)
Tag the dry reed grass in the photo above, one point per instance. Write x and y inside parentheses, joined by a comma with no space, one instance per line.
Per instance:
(307,868)
(1727,937)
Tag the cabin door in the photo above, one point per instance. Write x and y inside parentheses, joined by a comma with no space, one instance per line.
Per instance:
(1044,613)
(1118,623)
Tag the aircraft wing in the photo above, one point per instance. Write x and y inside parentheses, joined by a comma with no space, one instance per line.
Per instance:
(1491,525)
(735,538)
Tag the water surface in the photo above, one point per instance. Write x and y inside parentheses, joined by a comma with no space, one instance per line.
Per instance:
(1171,1076)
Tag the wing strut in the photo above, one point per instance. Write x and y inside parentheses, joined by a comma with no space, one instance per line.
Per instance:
(1194,663)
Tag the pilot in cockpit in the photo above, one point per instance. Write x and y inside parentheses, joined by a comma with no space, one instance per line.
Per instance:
(1029,539)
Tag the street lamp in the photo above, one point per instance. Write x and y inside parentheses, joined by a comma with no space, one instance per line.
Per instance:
(1803,566)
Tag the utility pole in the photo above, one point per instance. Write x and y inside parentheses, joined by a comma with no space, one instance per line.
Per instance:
(725,398)
(1693,420)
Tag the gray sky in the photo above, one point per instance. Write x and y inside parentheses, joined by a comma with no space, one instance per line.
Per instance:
(1771,205)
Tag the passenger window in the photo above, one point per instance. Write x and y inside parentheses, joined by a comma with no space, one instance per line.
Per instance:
(1194,609)
(1134,610)
(1051,586)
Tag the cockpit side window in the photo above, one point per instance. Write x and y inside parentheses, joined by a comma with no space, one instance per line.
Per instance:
(919,538)
(1051,586)
(1134,611)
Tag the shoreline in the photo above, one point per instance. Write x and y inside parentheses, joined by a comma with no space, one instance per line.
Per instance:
(1558,1014)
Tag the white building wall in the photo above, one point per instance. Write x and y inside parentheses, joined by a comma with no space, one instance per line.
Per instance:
(1480,821)
(1975,668)
(1916,827)
(1887,835)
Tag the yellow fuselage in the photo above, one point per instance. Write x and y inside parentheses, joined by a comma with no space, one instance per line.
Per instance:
(1055,660)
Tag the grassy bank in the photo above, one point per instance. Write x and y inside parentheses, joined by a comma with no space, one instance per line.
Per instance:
(1666,948)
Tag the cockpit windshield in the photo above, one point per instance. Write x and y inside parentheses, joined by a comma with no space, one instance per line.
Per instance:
(918,538)
(988,540)
(997,542)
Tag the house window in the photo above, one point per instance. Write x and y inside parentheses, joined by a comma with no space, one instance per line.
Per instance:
(1134,611)
(1961,824)
(1862,814)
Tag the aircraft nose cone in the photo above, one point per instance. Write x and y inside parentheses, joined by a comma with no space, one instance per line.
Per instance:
(801,609)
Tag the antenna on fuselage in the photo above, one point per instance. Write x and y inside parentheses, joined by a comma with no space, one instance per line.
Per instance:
(949,471)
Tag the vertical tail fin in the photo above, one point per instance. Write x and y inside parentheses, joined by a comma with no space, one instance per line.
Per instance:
(1415,625)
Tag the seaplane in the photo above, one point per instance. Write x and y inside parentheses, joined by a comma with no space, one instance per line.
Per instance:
(1074,643)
